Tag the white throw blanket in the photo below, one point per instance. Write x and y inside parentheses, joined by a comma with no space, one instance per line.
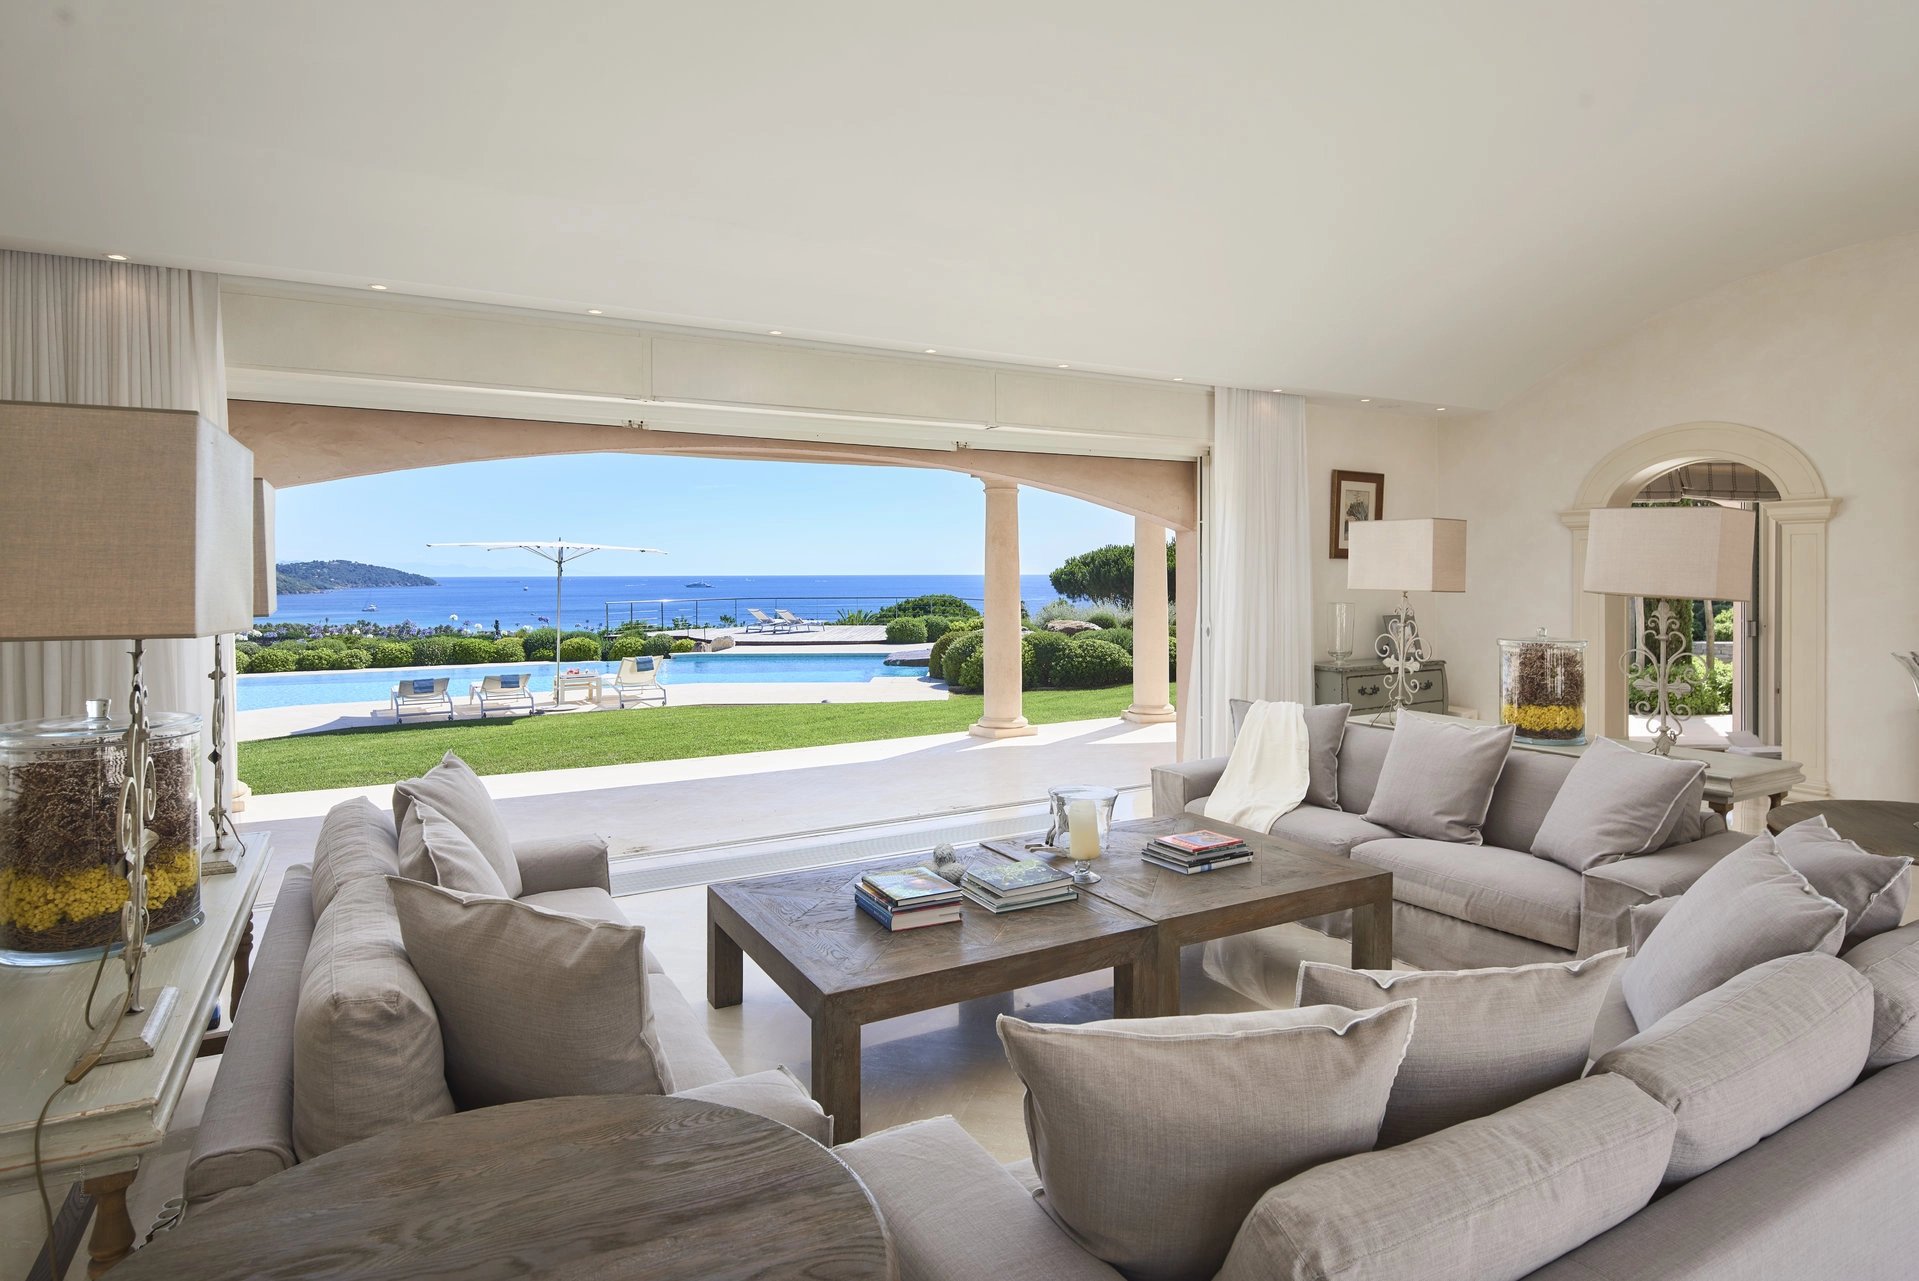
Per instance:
(1267,773)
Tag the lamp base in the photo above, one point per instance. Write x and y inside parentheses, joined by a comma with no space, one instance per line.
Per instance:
(138,1035)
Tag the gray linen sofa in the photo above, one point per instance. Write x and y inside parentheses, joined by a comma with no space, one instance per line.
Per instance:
(1460,906)
(248,1130)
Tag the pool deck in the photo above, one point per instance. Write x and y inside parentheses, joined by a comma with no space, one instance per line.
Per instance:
(909,686)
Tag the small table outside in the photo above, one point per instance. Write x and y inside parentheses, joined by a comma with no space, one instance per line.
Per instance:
(1880,827)
(844,971)
(587,683)
(634,1186)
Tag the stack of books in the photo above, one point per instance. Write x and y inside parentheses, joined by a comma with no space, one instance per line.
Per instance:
(1202,851)
(1008,887)
(908,899)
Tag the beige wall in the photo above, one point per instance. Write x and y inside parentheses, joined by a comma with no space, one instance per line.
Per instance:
(1823,352)
(1404,447)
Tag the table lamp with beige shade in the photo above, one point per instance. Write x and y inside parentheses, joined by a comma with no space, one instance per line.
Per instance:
(124,524)
(1701,552)
(1405,556)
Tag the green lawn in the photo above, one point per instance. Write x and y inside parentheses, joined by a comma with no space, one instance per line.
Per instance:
(359,757)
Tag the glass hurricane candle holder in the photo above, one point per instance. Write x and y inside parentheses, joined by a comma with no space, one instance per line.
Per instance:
(1082,818)
(1542,689)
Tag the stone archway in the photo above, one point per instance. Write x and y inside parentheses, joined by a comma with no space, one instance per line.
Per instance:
(1792,566)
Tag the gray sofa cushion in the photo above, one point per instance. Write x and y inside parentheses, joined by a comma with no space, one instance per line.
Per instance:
(1751,1056)
(1616,803)
(457,792)
(1329,831)
(1498,888)
(1362,754)
(954,1212)
(1489,1200)
(1438,778)
(1826,1198)
(1522,796)
(246,1131)
(1612,890)
(1614,1024)
(367,1054)
(356,840)
(592,903)
(775,1094)
(1871,887)
(1484,1040)
(1154,1137)
(691,1057)
(1890,962)
(457,861)
(1749,907)
(1325,730)
(533,1004)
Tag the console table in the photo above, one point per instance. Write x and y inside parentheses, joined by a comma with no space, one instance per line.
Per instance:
(1730,778)
(98,1131)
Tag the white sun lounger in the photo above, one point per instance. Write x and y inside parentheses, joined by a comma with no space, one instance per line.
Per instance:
(503,692)
(797,623)
(425,695)
(765,624)
(639,679)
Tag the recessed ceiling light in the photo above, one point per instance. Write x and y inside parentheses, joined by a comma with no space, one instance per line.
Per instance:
(1442,409)
(594,311)
(1365,400)
(774,332)
(931,351)
(116,257)
(1179,380)
(1062,366)
(1279,391)
(381,288)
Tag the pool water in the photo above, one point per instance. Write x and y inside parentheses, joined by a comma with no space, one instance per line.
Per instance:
(374,685)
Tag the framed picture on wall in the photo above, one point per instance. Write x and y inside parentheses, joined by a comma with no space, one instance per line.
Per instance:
(1357,495)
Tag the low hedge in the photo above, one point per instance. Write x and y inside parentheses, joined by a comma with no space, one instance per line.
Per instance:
(580,649)
(508,649)
(1103,618)
(392,654)
(313,660)
(1120,636)
(936,626)
(472,649)
(273,659)
(432,651)
(1046,648)
(626,645)
(242,661)
(906,631)
(348,660)
(964,645)
(685,645)
(1090,663)
(657,645)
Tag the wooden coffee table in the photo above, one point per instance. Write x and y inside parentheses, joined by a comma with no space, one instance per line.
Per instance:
(839,966)
(1284,883)
(630,1186)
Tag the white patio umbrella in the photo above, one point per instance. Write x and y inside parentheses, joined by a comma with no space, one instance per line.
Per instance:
(560,553)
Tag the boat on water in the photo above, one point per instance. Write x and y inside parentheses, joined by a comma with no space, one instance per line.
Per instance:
(699,584)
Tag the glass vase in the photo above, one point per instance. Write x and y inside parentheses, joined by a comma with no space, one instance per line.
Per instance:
(1542,689)
(1343,620)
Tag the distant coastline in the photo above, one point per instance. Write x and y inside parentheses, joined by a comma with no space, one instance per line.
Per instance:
(305,577)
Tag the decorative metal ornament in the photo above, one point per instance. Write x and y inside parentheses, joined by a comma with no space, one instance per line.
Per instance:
(139,802)
(1403,651)
(1654,686)
(217,859)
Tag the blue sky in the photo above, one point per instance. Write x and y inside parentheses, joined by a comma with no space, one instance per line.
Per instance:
(714,516)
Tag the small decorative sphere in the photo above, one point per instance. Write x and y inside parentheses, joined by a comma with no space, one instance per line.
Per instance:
(947,863)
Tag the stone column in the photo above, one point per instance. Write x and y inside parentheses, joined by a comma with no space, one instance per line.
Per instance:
(1150,652)
(1002,717)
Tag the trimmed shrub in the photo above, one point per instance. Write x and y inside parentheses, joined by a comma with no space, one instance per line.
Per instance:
(1120,636)
(539,644)
(580,649)
(657,645)
(940,603)
(973,670)
(906,631)
(313,660)
(964,646)
(626,645)
(472,649)
(348,660)
(1045,648)
(1091,663)
(937,626)
(327,642)
(360,642)
(936,658)
(432,651)
(1172,657)
(508,649)
(391,654)
(247,647)
(973,623)
(1103,618)
(242,662)
(273,660)
(685,645)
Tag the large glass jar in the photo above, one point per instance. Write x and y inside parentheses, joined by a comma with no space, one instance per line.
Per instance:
(1542,689)
(62,880)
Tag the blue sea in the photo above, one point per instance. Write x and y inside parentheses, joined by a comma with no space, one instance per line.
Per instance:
(597,601)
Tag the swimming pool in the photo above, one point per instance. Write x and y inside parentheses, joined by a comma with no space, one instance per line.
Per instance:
(373,685)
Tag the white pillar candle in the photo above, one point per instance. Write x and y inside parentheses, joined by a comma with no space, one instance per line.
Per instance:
(1082,822)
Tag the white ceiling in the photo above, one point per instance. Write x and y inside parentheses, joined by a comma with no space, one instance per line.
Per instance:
(1429,202)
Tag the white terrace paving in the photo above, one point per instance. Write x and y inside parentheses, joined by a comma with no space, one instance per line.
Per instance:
(659,806)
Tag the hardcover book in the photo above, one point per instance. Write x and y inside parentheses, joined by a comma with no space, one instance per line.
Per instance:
(1199,842)
(1011,878)
(902,888)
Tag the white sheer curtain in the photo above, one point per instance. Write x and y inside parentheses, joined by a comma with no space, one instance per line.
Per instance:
(1256,575)
(77,331)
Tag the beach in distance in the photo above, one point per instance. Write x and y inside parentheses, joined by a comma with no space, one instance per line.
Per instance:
(592,602)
